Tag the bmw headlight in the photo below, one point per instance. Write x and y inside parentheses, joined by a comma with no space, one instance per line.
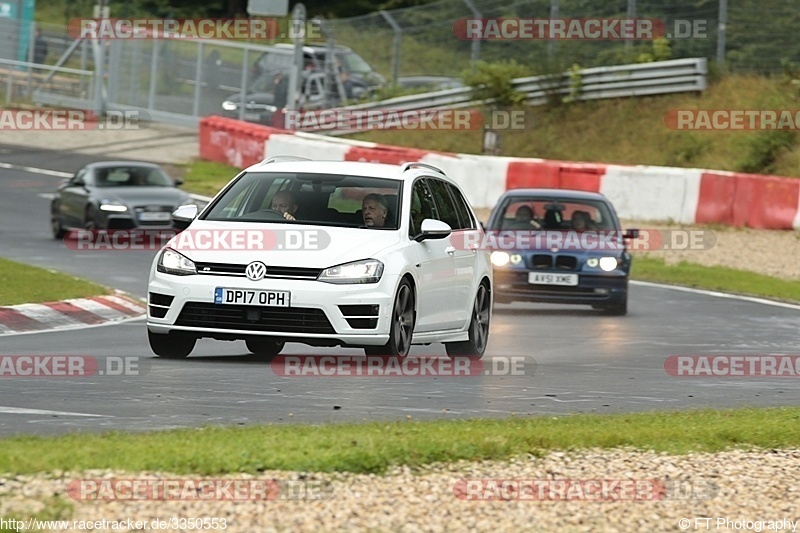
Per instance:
(113,206)
(500,258)
(608,263)
(227,105)
(366,271)
(171,262)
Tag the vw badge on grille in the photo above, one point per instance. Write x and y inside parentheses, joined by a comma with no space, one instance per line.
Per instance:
(255,270)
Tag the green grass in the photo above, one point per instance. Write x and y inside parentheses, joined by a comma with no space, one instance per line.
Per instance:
(632,131)
(207,177)
(715,278)
(28,284)
(374,447)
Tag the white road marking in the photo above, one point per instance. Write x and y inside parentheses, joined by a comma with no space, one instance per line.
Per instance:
(752,299)
(23,411)
(36,170)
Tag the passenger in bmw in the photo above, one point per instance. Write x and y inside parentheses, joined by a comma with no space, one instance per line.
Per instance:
(374,209)
(284,203)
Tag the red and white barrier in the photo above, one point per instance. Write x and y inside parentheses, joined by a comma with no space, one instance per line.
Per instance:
(683,195)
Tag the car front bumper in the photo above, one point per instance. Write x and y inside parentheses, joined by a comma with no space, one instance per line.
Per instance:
(592,289)
(315,314)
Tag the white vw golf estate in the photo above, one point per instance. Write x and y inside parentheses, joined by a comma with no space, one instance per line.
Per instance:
(327,254)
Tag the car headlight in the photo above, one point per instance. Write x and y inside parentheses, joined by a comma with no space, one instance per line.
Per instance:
(515,259)
(113,206)
(608,263)
(171,262)
(500,259)
(227,105)
(366,271)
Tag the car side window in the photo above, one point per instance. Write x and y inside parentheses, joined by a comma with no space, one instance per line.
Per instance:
(422,207)
(444,203)
(464,215)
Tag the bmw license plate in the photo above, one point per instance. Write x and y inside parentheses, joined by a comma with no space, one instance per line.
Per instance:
(251,297)
(538,278)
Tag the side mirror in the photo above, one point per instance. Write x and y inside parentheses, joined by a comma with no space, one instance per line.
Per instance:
(178,182)
(183,216)
(631,234)
(433,229)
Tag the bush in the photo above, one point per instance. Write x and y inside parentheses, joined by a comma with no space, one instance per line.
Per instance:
(492,81)
(763,148)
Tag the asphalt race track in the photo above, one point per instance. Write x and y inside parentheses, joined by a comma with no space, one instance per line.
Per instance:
(575,360)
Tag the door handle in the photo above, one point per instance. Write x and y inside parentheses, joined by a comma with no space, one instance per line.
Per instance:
(450,250)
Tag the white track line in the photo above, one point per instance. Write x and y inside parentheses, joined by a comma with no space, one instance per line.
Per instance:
(752,299)
(23,411)
(35,170)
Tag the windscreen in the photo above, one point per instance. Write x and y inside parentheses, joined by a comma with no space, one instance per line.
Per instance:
(531,213)
(317,199)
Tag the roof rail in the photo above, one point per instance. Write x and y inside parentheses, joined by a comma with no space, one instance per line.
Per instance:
(412,164)
(280,158)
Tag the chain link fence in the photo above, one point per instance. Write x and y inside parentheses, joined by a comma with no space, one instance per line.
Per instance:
(182,80)
(420,40)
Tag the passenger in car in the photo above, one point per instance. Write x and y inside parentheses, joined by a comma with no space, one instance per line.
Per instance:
(285,203)
(581,220)
(375,210)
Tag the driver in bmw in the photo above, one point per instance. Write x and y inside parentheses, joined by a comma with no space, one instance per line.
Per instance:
(285,204)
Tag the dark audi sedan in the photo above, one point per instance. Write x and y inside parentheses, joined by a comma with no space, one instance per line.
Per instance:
(559,246)
(116,195)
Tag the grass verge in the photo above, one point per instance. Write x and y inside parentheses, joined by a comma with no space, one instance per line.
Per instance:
(207,177)
(374,447)
(715,278)
(28,284)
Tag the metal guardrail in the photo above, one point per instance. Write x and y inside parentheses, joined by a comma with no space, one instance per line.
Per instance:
(640,79)
(31,77)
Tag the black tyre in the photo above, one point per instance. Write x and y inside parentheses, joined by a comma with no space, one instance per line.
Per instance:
(90,221)
(58,230)
(478,328)
(264,348)
(401,330)
(171,346)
